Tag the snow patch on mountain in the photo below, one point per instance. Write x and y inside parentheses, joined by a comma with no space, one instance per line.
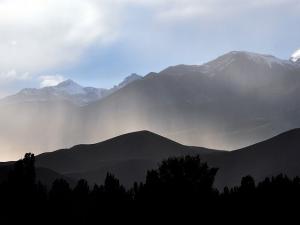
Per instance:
(257,58)
(239,58)
(69,87)
(233,61)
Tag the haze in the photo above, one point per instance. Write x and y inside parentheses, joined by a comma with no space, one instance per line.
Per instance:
(231,102)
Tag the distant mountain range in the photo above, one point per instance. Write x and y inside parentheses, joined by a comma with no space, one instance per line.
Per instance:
(233,101)
(67,90)
(129,156)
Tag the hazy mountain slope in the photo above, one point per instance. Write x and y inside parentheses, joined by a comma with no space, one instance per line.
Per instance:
(39,120)
(234,101)
(128,156)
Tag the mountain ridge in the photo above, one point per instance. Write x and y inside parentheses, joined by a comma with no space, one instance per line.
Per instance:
(67,90)
(129,157)
(229,58)
(127,146)
(277,155)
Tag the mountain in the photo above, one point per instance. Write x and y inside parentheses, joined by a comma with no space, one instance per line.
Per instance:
(128,156)
(67,90)
(39,120)
(133,77)
(234,101)
(296,57)
(278,155)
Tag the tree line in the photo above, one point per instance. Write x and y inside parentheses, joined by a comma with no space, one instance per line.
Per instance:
(177,179)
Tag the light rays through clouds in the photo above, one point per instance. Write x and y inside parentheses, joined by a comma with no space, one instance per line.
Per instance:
(39,37)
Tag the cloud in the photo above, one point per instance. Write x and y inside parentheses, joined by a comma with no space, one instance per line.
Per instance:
(13,75)
(186,10)
(38,35)
(50,80)
(45,35)
(11,80)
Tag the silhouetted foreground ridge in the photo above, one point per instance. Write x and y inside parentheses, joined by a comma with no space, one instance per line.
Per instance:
(177,179)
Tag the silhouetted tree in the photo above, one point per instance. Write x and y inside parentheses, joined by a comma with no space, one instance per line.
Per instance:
(180,178)
(81,190)
(247,185)
(113,190)
(21,179)
(60,191)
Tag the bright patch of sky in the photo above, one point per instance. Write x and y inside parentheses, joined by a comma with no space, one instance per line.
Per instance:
(50,80)
(99,42)
(296,56)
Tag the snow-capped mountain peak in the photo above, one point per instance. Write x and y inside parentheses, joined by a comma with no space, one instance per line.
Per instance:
(235,60)
(239,58)
(270,60)
(70,87)
(68,82)
(296,56)
(67,90)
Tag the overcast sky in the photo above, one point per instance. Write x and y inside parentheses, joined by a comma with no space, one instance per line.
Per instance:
(99,42)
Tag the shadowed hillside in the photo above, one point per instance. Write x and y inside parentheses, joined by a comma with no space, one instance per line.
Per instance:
(280,154)
(43,175)
(128,156)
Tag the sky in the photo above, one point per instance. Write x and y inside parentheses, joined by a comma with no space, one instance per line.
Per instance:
(99,42)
